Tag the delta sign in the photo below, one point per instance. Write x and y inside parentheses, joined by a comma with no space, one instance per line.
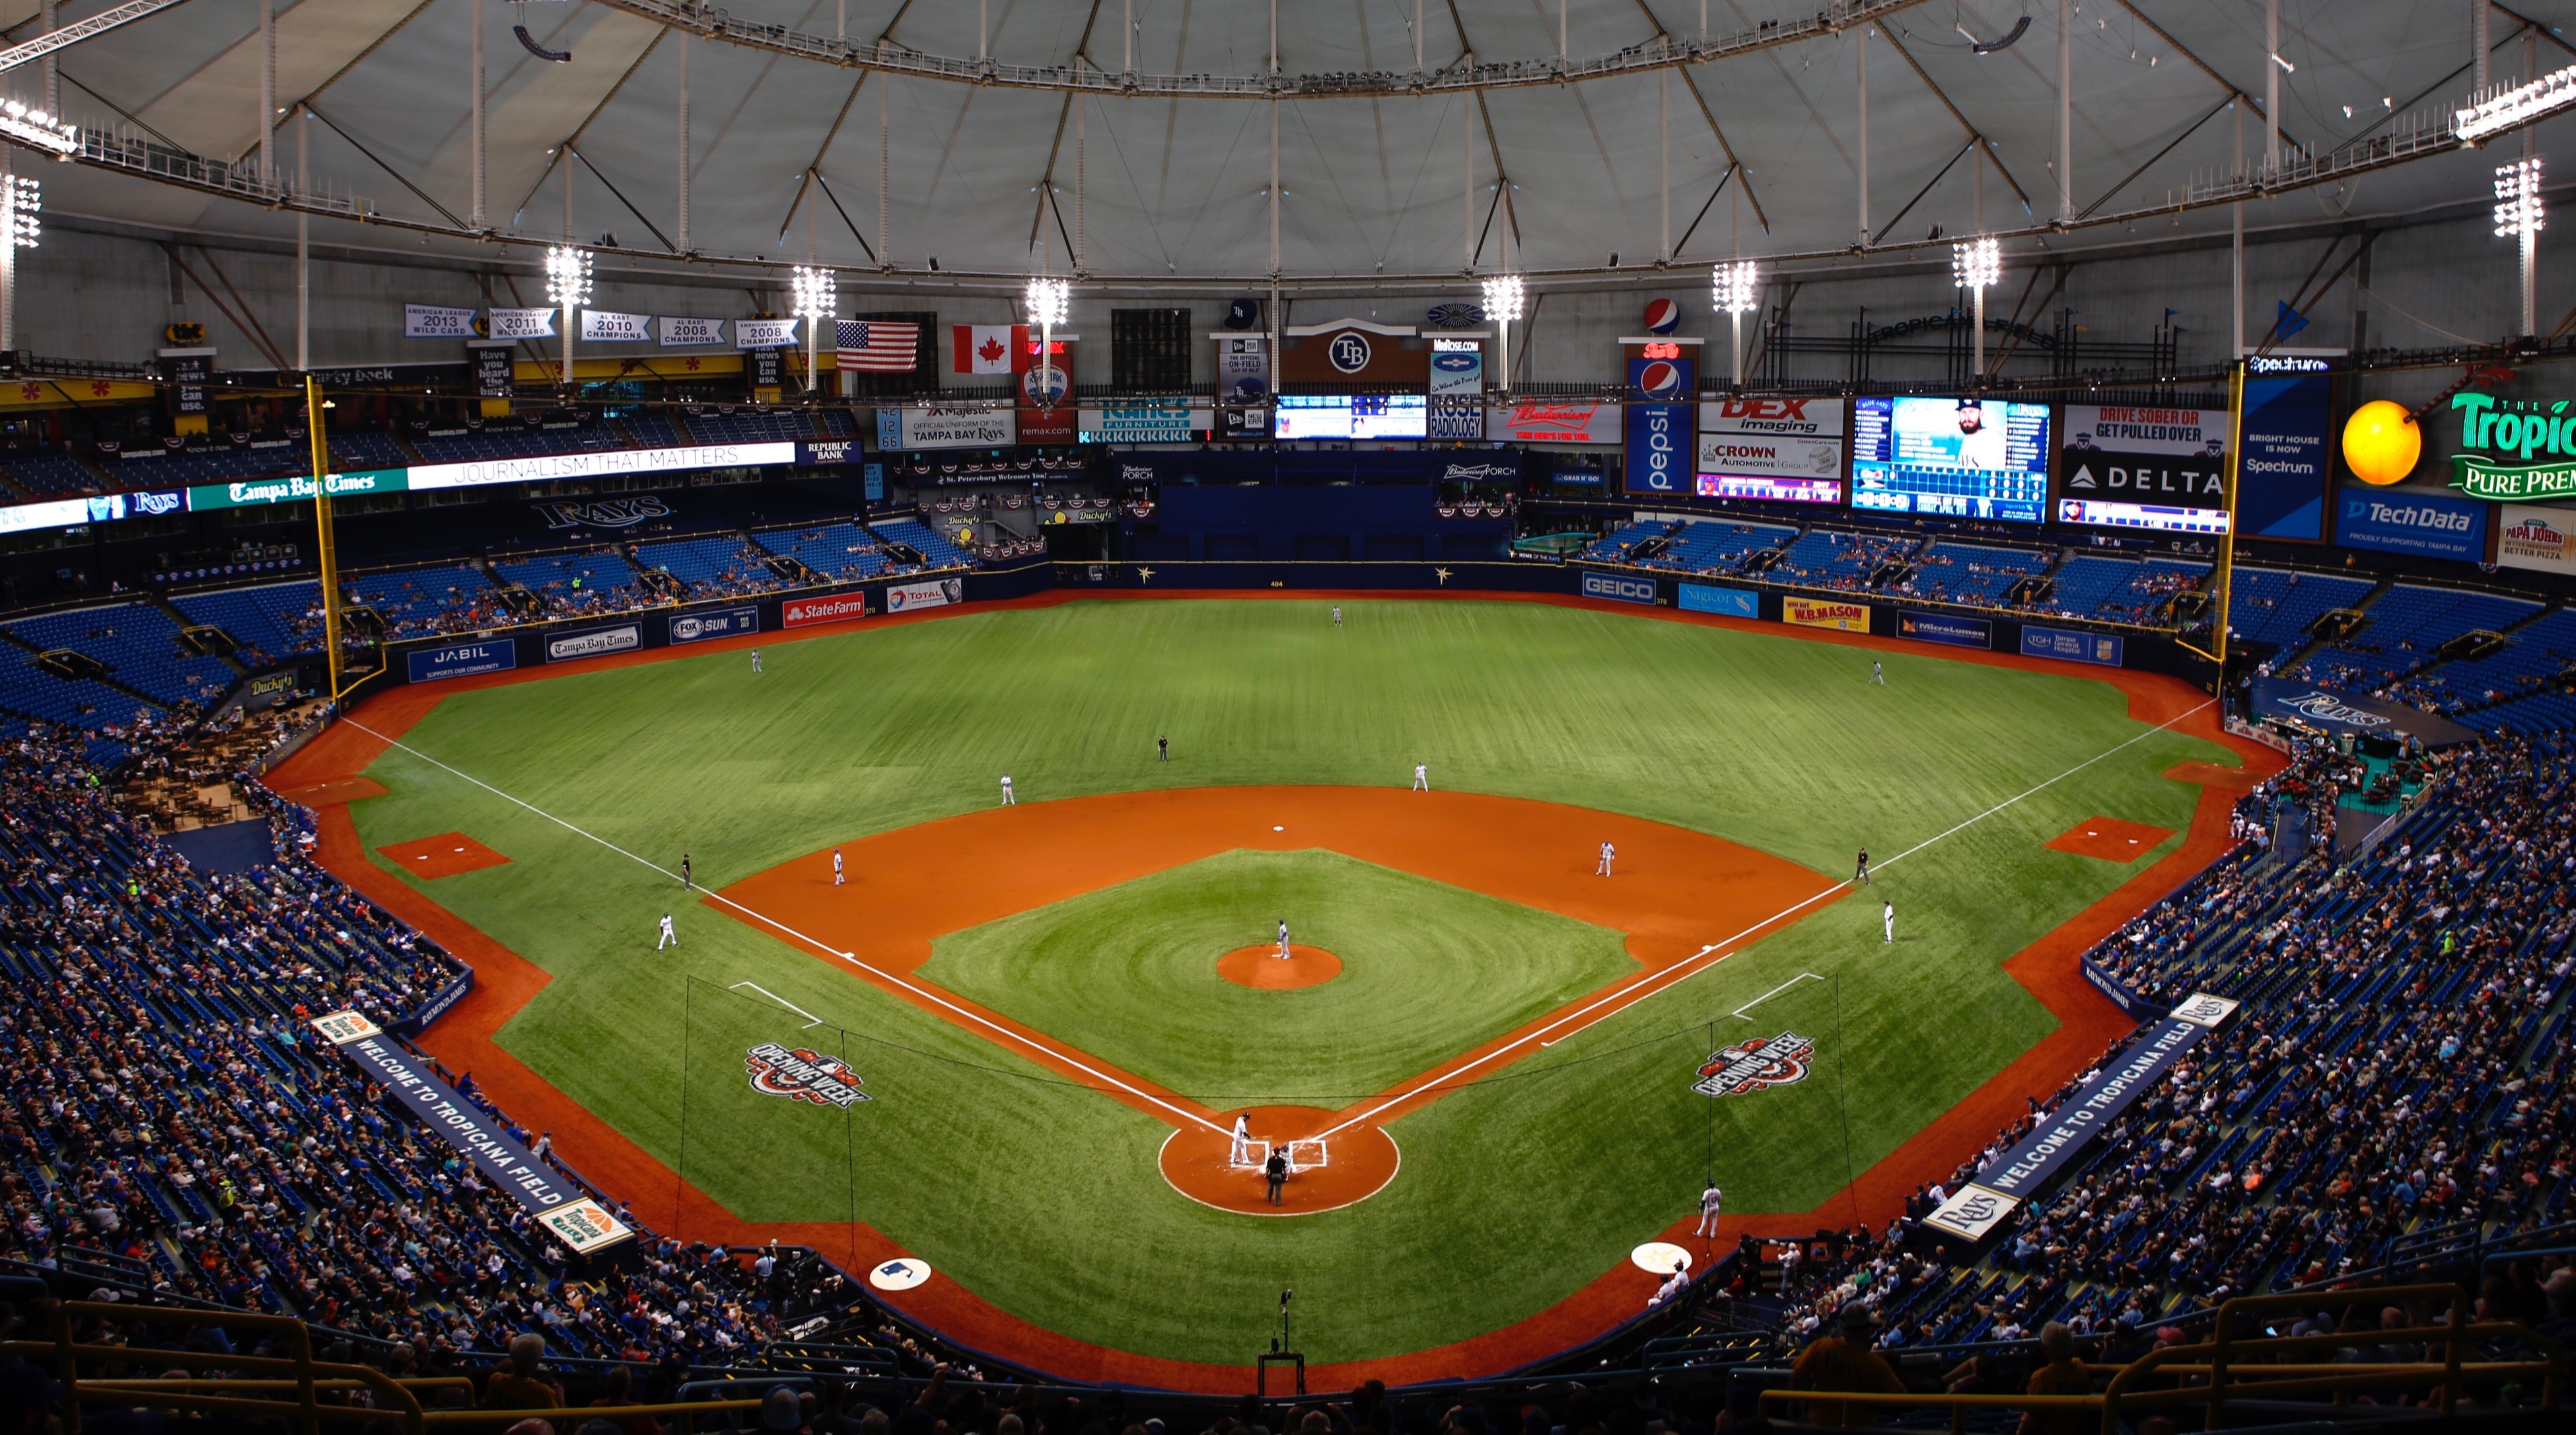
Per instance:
(2523,448)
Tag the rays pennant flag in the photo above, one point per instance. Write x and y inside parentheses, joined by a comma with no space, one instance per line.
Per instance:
(872,346)
(989,348)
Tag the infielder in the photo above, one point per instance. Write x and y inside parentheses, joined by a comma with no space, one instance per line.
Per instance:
(1877,674)
(1421,777)
(837,878)
(1283,939)
(1709,1201)
(1608,854)
(1009,799)
(670,938)
(755,660)
(1889,917)
(1240,1153)
(1860,868)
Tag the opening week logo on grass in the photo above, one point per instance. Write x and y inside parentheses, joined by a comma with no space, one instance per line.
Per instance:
(1751,1066)
(801,1075)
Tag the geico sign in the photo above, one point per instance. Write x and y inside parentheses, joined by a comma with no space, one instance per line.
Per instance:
(1611,585)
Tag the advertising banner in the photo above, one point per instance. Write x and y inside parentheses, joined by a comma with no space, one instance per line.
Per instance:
(698,627)
(1243,366)
(1811,613)
(1785,450)
(2027,1169)
(674,332)
(2281,477)
(1732,602)
(1540,421)
(2542,538)
(296,488)
(1046,413)
(1455,421)
(1145,423)
(805,612)
(437,321)
(2125,466)
(1943,628)
(1500,466)
(52,513)
(602,326)
(2429,525)
(1457,368)
(594,642)
(904,597)
(480,1138)
(2513,448)
(458,660)
(597,463)
(2347,714)
(929,428)
(109,507)
(493,374)
(1353,351)
(1619,587)
(763,333)
(1660,439)
(2099,648)
(825,452)
(521,323)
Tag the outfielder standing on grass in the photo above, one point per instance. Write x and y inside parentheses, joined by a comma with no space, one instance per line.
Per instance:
(1889,916)
(755,660)
(1877,674)
(1421,777)
(1008,799)
(669,938)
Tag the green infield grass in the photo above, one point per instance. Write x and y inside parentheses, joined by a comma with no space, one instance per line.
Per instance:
(1044,1197)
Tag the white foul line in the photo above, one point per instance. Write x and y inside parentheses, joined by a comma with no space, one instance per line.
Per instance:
(1655,983)
(1775,991)
(878,972)
(811,1021)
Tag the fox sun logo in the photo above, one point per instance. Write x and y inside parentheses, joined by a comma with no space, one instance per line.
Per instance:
(1753,1065)
(801,1075)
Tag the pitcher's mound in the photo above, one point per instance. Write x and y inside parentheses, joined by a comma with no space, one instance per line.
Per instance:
(1261,968)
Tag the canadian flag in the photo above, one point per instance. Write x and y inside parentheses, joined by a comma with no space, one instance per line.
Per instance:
(990,348)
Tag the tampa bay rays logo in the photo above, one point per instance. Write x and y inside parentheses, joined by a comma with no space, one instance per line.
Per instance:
(801,1075)
(1752,1065)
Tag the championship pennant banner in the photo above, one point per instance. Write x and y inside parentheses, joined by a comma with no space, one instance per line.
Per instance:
(598,326)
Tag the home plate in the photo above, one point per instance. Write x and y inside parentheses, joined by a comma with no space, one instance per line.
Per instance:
(1278,829)
(1660,1258)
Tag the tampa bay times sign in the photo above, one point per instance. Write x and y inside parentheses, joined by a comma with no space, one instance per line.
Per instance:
(2514,449)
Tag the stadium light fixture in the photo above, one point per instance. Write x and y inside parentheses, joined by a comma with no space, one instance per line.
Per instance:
(21,199)
(567,288)
(2518,215)
(2515,107)
(817,297)
(1050,300)
(1977,264)
(1503,295)
(1735,289)
(38,130)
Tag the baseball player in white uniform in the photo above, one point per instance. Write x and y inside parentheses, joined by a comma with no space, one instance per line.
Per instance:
(1240,1153)
(1877,674)
(1608,854)
(1009,799)
(838,878)
(1709,1202)
(755,660)
(670,938)
(1283,939)
(1421,777)
(1337,615)
(1888,916)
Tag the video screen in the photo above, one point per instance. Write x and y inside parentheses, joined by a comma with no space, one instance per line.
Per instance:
(1951,458)
(2157,517)
(1350,416)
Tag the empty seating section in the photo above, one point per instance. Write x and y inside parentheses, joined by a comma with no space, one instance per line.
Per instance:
(912,531)
(2154,583)
(1828,558)
(417,602)
(451,446)
(272,622)
(361,448)
(1717,547)
(48,475)
(652,431)
(2084,581)
(835,550)
(768,425)
(2402,630)
(140,646)
(710,565)
(1615,547)
(1972,573)
(218,465)
(2269,605)
(2531,658)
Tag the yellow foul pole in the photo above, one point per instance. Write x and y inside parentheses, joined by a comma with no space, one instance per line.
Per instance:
(322,532)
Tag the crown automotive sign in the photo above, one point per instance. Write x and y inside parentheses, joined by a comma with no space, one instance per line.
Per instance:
(2514,448)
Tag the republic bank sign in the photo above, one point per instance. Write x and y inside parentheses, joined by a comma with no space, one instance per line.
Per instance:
(2514,450)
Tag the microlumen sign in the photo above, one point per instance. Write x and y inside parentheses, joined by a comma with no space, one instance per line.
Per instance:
(2529,449)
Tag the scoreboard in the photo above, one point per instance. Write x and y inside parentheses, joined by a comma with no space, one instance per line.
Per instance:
(1950,458)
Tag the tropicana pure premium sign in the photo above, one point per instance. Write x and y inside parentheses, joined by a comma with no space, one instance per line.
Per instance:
(2514,448)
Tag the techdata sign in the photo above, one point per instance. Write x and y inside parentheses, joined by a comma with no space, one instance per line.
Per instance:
(729,623)
(1618,587)
(2102,649)
(2124,466)
(1731,602)
(459,660)
(2513,450)
(1943,628)
(2429,525)
(2281,477)
(1661,443)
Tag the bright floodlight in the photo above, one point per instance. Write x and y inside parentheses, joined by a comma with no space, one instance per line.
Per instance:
(815,294)
(21,198)
(2517,189)
(38,129)
(567,276)
(1737,287)
(2516,107)
(1503,299)
(1977,263)
(1050,300)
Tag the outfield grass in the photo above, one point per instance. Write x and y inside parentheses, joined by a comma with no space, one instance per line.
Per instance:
(1044,1197)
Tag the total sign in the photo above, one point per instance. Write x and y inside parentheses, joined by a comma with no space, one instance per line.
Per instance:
(1662,424)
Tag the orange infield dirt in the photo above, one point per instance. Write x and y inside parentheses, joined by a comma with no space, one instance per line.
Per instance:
(1261,968)
(443,856)
(505,981)
(2108,838)
(1329,1169)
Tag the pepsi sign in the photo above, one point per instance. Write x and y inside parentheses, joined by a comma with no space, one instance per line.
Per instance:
(1662,316)
(1349,351)
(1662,436)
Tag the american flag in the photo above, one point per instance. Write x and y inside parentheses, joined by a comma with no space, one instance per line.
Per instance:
(872,346)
